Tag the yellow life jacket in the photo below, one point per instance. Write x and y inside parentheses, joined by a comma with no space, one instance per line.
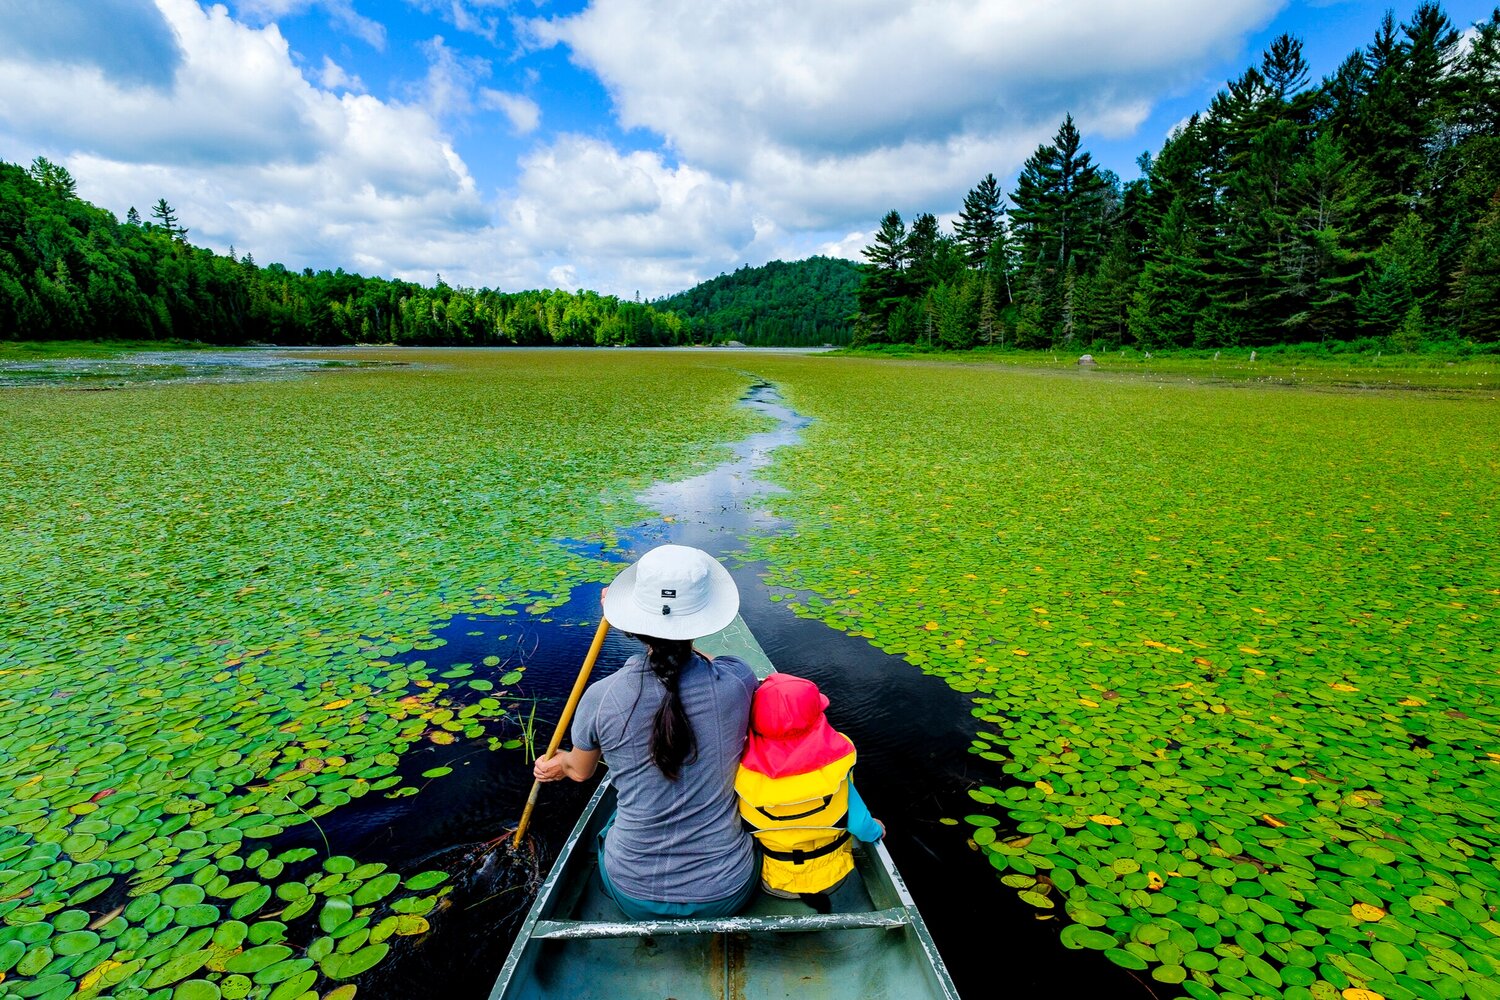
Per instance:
(801,822)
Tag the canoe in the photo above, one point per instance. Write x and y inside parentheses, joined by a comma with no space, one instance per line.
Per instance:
(575,944)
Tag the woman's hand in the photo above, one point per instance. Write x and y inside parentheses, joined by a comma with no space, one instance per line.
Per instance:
(553,768)
(576,764)
(882,828)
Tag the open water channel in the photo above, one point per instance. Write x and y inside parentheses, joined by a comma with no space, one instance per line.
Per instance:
(912,732)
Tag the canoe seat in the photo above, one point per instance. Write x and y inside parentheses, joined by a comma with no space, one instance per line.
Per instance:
(895,916)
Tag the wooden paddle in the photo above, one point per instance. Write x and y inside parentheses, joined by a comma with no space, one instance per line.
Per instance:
(562,724)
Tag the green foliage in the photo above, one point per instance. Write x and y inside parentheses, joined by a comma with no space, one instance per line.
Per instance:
(1287,211)
(805,303)
(69,270)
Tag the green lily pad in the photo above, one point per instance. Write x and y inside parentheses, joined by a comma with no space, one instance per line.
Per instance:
(335,912)
(178,968)
(250,902)
(423,881)
(376,889)
(197,989)
(75,942)
(252,960)
(182,894)
(340,965)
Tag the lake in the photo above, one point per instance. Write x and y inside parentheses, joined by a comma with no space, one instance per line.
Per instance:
(1147,669)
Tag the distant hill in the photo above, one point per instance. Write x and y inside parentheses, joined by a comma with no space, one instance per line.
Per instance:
(798,304)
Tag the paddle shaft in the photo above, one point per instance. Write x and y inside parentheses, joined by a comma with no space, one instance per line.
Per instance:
(562,724)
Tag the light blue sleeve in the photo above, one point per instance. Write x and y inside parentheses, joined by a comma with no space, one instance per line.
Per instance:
(861,823)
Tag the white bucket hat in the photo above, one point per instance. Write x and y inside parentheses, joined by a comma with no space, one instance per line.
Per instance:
(672,592)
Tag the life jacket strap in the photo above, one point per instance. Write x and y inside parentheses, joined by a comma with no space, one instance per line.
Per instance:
(798,856)
(782,817)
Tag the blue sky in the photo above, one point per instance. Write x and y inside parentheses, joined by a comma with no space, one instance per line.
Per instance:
(621,145)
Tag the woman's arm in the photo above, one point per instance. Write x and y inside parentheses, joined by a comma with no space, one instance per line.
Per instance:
(576,764)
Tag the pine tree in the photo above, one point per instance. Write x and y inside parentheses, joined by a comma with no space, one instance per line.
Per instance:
(54,177)
(1412,332)
(1057,199)
(1475,288)
(989,326)
(1479,79)
(168,216)
(1324,264)
(1062,203)
(923,245)
(885,280)
(978,225)
(1170,293)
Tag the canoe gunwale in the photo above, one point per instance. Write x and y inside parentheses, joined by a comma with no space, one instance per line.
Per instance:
(547,930)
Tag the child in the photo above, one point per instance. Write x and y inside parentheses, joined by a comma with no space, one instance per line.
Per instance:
(796,794)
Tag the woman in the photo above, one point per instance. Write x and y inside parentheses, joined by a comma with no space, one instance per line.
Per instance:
(670,724)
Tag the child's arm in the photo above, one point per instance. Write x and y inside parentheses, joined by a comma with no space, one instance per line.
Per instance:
(861,824)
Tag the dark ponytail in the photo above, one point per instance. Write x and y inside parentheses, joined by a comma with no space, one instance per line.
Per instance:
(672,741)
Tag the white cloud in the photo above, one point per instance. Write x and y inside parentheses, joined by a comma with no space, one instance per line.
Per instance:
(850,245)
(334,77)
(521,111)
(826,109)
(341,14)
(467,16)
(251,153)
(625,220)
(787,129)
(448,88)
(235,96)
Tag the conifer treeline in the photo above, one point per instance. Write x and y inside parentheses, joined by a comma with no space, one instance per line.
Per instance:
(72,271)
(804,303)
(1363,206)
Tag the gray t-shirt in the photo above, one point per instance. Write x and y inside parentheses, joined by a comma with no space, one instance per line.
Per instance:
(673,841)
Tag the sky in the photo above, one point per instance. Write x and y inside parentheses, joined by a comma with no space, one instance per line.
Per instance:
(634,147)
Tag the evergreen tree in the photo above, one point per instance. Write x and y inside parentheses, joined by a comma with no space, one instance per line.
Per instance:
(885,280)
(1479,79)
(1171,291)
(1475,289)
(979,223)
(1324,264)
(1057,201)
(923,247)
(1062,202)
(54,177)
(168,216)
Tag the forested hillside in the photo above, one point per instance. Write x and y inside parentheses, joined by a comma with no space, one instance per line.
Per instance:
(1361,207)
(70,270)
(803,303)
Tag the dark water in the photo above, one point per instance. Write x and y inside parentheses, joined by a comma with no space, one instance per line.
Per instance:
(137,368)
(912,732)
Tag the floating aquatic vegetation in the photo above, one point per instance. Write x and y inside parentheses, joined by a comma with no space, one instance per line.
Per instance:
(1234,654)
(215,604)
